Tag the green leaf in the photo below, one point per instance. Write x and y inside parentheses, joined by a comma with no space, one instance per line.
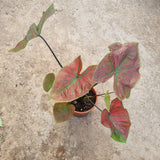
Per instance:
(1,124)
(63,111)
(34,30)
(50,11)
(48,81)
(21,45)
(32,33)
(107,100)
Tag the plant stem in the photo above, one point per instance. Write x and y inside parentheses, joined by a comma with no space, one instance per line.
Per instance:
(104,94)
(95,84)
(51,51)
(100,94)
(94,104)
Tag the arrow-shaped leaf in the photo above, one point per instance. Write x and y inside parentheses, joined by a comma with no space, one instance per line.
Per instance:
(34,30)
(70,84)
(48,81)
(50,11)
(118,120)
(122,63)
(63,111)
(21,45)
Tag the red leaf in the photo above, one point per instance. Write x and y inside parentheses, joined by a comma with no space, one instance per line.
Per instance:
(63,111)
(118,120)
(123,63)
(70,84)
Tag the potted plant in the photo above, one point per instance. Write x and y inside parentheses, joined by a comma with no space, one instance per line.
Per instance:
(73,91)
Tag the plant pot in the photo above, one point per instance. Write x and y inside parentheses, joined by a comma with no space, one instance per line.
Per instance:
(84,113)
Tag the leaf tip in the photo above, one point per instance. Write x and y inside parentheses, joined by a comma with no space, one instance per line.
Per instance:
(52,6)
(1,124)
(10,51)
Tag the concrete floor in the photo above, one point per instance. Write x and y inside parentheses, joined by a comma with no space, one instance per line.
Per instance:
(86,28)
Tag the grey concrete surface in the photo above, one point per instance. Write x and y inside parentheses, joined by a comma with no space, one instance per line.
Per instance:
(86,28)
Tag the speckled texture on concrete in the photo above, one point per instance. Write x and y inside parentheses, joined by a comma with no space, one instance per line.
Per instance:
(86,28)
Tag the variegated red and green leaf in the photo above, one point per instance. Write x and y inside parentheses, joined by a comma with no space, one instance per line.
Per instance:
(50,11)
(123,62)
(34,30)
(48,81)
(21,45)
(118,120)
(63,111)
(32,33)
(70,84)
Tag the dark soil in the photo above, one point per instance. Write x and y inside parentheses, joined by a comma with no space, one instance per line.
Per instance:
(83,104)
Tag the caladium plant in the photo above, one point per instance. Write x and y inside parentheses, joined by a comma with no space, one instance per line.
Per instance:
(71,85)
(122,63)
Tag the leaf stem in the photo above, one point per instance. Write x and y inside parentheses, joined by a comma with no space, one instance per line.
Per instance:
(97,95)
(95,84)
(104,94)
(94,104)
(51,51)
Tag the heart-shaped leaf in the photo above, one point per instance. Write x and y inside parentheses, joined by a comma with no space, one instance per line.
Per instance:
(34,30)
(48,81)
(70,84)
(123,63)
(63,111)
(107,100)
(118,120)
